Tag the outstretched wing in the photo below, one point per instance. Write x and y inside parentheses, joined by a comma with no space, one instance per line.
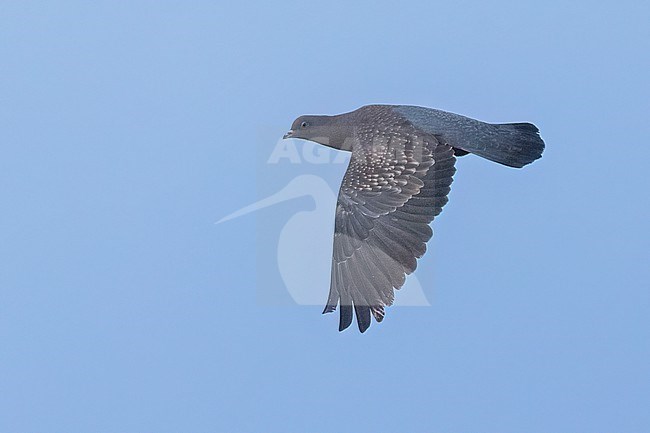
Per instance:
(397,182)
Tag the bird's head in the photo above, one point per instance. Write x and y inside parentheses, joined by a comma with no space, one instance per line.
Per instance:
(307,128)
(326,130)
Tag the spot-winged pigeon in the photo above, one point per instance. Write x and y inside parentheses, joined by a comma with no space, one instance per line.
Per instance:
(397,181)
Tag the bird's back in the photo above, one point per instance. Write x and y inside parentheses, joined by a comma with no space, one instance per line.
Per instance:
(511,144)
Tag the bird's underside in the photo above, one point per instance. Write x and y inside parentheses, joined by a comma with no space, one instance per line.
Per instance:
(397,181)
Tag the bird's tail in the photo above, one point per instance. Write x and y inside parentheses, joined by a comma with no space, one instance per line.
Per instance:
(511,144)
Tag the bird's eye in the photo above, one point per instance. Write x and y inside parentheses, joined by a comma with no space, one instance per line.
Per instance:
(303,125)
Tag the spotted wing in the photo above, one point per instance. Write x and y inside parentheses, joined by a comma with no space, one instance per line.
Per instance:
(396,183)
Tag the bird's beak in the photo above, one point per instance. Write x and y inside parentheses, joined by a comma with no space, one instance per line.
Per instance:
(288,134)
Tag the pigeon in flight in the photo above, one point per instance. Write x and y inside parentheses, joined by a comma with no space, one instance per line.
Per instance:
(397,181)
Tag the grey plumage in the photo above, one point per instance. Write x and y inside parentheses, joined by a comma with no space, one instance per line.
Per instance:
(397,181)
(511,144)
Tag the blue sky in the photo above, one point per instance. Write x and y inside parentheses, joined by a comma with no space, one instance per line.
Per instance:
(128,128)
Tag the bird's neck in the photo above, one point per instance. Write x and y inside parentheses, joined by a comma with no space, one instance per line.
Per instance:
(339,133)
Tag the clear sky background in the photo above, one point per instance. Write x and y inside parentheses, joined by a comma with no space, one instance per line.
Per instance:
(128,128)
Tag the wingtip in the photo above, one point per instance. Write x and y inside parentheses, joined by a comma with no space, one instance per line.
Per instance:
(345,318)
(378,313)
